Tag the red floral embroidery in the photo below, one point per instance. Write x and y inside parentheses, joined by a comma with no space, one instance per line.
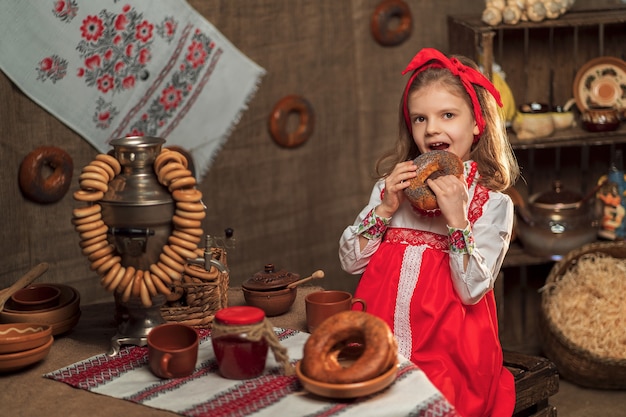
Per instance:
(176,93)
(416,237)
(481,195)
(129,82)
(105,112)
(52,68)
(92,28)
(144,31)
(457,240)
(144,56)
(92,62)
(170,98)
(65,10)
(115,48)
(106,83)
(120,22)
(196,55)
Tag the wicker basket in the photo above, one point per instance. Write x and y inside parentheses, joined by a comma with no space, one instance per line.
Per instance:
(201,298)
(575,363)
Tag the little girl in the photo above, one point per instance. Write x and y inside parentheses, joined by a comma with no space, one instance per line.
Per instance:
(430,275)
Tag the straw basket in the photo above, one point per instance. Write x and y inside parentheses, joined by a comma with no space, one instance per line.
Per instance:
(201,295)
(575,363)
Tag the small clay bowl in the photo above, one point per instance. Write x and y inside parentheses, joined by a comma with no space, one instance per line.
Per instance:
(37,297)
(272,302)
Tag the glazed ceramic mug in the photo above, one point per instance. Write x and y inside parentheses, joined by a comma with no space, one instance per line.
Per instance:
(320,305)
(172,350)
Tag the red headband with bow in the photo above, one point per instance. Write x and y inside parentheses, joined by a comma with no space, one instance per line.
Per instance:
(432,58)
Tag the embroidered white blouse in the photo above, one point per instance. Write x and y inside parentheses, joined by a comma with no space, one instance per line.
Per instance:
(487,239)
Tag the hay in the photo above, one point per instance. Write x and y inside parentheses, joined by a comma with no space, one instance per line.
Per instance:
(587,304)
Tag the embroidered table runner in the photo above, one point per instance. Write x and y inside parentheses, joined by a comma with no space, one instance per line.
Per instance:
(204,393)
(110,68)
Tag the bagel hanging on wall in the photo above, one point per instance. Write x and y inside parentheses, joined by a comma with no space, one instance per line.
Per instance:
(391,23)
(39,185)
(278,121)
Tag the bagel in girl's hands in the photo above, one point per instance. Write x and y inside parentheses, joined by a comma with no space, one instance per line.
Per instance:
(366,340)
(431,164)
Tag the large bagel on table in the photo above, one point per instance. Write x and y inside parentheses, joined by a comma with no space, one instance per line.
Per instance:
(431,164)
(320,360)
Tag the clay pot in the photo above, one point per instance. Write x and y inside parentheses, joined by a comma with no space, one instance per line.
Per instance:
(272,302)
(267,290)
(600,119)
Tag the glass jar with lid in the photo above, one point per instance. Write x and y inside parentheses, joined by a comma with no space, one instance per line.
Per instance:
(239,343)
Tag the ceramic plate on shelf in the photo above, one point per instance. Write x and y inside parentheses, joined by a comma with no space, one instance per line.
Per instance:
(357,389)
(601,82)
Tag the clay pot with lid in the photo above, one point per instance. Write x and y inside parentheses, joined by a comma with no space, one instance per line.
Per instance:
(267,290)
(557,221)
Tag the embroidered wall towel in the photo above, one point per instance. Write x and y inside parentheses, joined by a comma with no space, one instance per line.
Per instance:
(110,68)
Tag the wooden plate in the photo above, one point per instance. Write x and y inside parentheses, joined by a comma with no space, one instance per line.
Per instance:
(358,389)
(601,82)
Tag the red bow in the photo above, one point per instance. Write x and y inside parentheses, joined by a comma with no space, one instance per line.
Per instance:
(432,58)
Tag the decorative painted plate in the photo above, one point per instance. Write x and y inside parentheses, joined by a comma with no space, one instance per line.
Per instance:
(601,82)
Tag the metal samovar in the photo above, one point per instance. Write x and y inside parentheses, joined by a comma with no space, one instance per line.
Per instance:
(138,211)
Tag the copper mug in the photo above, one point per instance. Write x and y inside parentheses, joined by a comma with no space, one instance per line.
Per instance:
(172,350)
(320,305)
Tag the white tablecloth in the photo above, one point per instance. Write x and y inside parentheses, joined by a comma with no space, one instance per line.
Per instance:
(205,393)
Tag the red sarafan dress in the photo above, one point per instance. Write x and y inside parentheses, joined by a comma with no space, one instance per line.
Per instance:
(443,317)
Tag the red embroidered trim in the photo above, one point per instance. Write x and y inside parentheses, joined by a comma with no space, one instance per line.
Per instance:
(481,195)
(416,237)
(457,240)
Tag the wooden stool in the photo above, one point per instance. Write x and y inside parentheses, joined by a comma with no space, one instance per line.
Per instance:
(536,379)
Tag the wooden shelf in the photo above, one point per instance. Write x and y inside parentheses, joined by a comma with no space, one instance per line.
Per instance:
(572,18)
(571,137)
(541,60)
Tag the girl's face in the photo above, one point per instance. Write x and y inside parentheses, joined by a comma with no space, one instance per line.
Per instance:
(441,120)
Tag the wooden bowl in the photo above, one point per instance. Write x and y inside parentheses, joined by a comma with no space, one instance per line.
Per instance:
(18,337)
(272,302)
(36,297)
(10,362)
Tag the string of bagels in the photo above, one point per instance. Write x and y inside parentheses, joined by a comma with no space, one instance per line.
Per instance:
(171,169)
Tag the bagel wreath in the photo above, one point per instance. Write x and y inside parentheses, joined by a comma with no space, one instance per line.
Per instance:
(164,276)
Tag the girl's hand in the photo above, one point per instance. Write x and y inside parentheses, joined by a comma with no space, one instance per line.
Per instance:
(452,198)
(395,183)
